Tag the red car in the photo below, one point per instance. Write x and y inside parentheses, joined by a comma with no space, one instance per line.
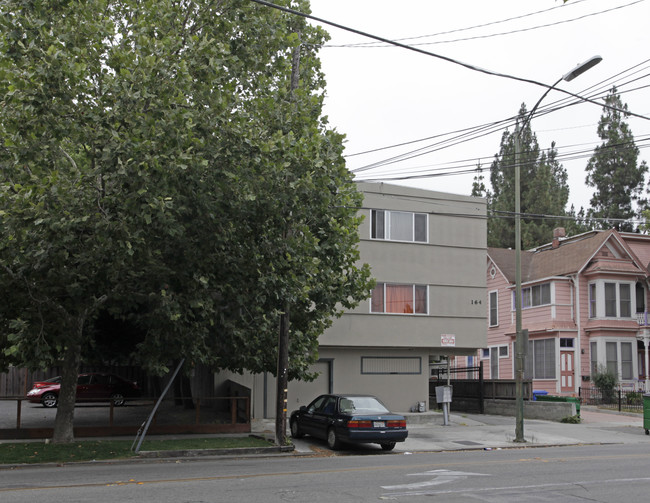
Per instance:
(93,387)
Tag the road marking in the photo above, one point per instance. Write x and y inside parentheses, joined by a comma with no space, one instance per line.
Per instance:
(525,488)
(439,477)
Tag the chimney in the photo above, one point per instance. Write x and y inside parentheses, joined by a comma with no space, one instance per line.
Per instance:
(558,232)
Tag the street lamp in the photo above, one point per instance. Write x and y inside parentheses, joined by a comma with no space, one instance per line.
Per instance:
(520,349)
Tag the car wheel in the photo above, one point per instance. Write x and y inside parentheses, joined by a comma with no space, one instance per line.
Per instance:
(117,399)
(388,446)
(295,430)
(49,400)
(333,441)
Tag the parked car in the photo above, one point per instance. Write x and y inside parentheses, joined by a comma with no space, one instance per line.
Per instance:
(340,419)
(91,387)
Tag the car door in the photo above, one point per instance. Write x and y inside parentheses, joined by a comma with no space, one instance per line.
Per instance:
(307,421)
(323,417)
(84,391)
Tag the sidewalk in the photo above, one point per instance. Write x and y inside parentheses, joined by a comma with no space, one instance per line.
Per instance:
(477,431)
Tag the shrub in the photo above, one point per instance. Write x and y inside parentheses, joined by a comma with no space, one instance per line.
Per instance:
(634,398)
(606,381)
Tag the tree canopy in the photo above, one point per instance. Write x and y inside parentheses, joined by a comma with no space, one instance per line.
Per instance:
(544,190)
(614,170)
(159,166)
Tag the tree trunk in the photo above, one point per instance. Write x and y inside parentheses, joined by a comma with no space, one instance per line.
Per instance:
(282,379)
(64,422)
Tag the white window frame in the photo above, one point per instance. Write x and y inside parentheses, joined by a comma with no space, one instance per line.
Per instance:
(601,344)
(531,359)
(527,296)
(598,307)
(387,231)
(495,322)
(414,286)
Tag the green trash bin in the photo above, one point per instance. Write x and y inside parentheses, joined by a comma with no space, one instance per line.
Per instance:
(646,413)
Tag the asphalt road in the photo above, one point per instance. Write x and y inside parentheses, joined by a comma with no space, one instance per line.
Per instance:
(595,473)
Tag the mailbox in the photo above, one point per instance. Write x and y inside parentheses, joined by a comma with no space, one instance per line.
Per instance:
(443,394)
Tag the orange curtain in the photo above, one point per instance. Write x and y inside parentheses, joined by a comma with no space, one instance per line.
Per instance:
(399,298)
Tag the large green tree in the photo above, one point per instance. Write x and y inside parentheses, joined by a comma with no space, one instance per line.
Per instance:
(160,165)
(544,190)
(614,169)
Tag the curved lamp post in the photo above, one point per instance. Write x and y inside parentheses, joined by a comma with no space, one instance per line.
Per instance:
(520,343)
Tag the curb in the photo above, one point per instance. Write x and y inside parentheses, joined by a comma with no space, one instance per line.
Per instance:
(194,453)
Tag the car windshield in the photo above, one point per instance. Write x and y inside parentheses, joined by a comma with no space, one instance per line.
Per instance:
(362,405)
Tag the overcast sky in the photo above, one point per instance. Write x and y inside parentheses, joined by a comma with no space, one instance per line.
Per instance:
(383,96)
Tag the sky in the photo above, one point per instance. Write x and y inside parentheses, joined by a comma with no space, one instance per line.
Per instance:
(385,96)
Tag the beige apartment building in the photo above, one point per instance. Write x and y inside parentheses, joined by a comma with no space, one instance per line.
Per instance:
(427,252)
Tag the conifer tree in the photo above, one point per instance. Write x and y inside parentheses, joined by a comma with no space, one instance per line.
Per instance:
(614,169)
(544,190)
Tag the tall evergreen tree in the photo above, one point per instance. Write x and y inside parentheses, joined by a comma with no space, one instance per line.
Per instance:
(543,185)
(614,169)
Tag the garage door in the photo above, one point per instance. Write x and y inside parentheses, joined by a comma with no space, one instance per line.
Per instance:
(302,392)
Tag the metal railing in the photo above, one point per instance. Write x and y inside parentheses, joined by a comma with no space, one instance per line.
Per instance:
(616,399)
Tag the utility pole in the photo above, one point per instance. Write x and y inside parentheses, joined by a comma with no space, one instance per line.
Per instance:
(519,350)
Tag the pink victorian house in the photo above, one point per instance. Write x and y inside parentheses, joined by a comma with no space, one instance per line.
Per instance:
(584,304)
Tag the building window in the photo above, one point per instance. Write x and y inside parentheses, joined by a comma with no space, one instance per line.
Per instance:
(616,299)
(485,353)
(610,300)
(399,226)
(540,360)
(625,303)
(594,357)
(391,365)
(567,343)
(494,308)
(617,357)
(612,358)
(494,363)
(533,296)
(503,351)
(626,360)
(400,299)
(640,297)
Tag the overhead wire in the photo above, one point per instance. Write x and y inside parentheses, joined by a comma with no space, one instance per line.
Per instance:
(598,91)
(429,53)
(513,119)
(477,37)
(457,30)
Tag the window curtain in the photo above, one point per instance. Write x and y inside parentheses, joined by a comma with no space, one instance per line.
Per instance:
(399,298)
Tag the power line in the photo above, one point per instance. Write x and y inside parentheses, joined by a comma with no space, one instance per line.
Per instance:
(468,28)
(565,21)
(416,173)
(432,54)
(598,91)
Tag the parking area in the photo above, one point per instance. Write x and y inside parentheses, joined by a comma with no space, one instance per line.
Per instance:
(21,419)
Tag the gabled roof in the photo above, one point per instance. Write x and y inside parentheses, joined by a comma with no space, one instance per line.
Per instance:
(570,257)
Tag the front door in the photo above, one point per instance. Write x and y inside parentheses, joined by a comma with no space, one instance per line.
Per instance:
(567,373)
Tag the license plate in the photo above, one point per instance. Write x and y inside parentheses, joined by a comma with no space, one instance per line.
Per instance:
(378,424)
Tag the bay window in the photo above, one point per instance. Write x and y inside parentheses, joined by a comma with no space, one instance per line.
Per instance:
(533,296)
(611,299)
